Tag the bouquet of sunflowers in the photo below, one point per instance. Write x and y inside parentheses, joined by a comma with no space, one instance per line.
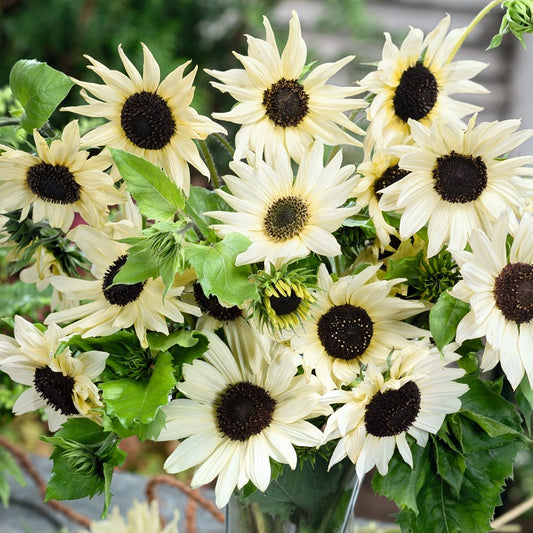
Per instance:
(301,320)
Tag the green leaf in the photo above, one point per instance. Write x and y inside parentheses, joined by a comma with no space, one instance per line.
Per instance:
(157,196)
(39,88)
(84,457)
(200,201)
(8,466)
(451,466)
(137,402)
(407,267)
(182,337)
(444,318)
(524,401)
(144,432)
(216,270)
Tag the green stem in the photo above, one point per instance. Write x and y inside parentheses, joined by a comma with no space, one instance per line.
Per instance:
(472,25)
(222,140)
(338,265)
(210,164)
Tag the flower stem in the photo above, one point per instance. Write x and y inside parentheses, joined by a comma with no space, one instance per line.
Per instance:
(471,26)
(210,164)
(222,140)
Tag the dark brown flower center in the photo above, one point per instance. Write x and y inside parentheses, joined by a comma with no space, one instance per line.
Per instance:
(390,176)
(211,306)
(285,218)
(392,412)
(286,103)
(147,120)
(416,94)
(345,331)
(459,178)
(284,305)
(513,292)
(243,410)
(55,389)
(121,293)
(53,183)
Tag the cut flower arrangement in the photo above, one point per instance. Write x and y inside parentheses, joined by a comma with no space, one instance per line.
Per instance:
(305,318)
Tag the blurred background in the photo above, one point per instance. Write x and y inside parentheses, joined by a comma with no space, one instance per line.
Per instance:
(206,31)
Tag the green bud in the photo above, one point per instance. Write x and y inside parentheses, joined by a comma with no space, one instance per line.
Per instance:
(518,19)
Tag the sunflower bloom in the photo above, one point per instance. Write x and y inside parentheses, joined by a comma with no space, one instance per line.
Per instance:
(243,405)
(147,117)
(278,105)
(59,383)
(458,180)
(377,415)
(285,217)
(415,82)
(57,182)
(499,287)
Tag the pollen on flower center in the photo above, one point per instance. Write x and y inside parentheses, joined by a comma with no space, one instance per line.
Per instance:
(243,410)
(53,183)
(513,292)
(345,331)
(285,305)
(147,120)
(390,176)
(286,103)
(211,306)
(392,412)
(121,293)
(285,218)
(55,389)
(416,94)
(459,178)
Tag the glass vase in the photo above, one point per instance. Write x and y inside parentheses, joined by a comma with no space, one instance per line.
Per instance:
(308,499)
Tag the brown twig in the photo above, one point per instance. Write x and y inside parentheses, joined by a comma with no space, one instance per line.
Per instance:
(194,498)
(25,463)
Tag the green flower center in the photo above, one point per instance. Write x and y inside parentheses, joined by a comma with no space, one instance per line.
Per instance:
(53,183)
(285,218)
(55,389)
(416,94)
(392,412)
(286,103)
(120,294)
(147,120)
(345,331)
(243,410)
(459,178)
(513,292)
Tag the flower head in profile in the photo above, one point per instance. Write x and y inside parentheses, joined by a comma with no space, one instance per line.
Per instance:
(377,415)
(458,180)
(243,405)
(415,82)
(281,106)
(285,217)
(141,518)
(58,181)
(498,285)
(147,117)
(59,383)
(355,321)
(109,307)
(376,174)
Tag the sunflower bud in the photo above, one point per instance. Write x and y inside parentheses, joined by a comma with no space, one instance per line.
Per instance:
(518,19)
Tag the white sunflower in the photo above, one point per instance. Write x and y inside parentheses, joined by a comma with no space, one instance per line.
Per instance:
(58,181)
(284,217)
(377,173)
(458,180)
(147,117)
(498,285)
(143,517)
(243,405)
(59,383)
(279,105)
(415,82)
(110,307)
(377,415)
(354,322)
